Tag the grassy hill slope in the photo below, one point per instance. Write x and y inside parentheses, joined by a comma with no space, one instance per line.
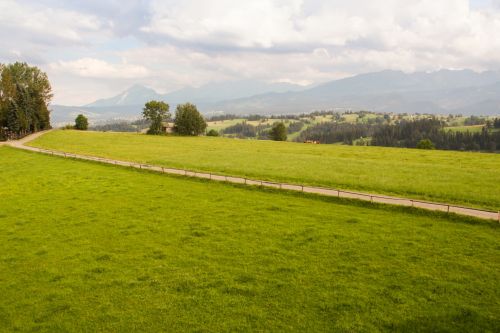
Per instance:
(90,247)
(471,179)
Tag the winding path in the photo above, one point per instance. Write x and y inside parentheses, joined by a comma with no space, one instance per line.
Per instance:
(443,207)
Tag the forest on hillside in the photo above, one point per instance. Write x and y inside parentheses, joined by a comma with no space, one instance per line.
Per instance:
(407,134)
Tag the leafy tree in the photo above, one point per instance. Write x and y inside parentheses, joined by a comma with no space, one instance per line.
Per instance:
(278,132)
(156,112)
(188,121)
(25,93)
(212,132)
(81,123)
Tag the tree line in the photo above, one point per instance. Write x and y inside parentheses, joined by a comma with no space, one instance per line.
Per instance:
(334,132)
(420,133)
(277,131)
(25,93)
(409,133)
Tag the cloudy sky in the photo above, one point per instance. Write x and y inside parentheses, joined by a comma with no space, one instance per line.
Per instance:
(96,48)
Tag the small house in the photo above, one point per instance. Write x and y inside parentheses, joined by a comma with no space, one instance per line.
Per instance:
(167,127)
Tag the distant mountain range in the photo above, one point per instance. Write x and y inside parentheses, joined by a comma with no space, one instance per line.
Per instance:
(207,94)
(443,92)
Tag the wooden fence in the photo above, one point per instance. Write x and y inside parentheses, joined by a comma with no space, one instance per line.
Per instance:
(448,208)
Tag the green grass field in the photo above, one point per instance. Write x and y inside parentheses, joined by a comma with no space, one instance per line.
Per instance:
(471,179)
(471,129)
(222,124)
(86,247)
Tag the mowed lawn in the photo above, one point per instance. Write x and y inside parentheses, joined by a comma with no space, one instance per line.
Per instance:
(471,179)
(86,247)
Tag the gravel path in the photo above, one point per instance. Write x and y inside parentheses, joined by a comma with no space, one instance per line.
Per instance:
(449,208)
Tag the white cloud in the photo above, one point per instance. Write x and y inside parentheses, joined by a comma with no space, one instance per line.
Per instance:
(435,26)
(310,41)
(47,25)
(192,42)
(256,23)
(95,68)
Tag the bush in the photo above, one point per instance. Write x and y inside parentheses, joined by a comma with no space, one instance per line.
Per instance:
(426,144)
(68,127)
(212,132)
(81,123)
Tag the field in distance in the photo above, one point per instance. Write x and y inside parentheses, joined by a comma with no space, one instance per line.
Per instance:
(91,247)
(471,179)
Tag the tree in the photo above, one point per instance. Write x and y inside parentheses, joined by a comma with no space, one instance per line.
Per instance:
(278,132)
(81,123)
(188,121)
(426,144)
(212,132)
(25,93)
(156,112)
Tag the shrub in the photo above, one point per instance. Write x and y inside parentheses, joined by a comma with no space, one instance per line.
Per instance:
(212,132)
(426,144)
(81,123)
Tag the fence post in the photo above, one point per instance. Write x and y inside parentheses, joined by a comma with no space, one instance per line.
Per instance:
(411,202)
(245,181)
(371,198)
(448,209)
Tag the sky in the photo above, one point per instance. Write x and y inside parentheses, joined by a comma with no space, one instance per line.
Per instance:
(95,48)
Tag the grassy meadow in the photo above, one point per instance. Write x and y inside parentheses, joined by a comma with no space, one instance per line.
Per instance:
(471,179)
(471,129)
(86,247)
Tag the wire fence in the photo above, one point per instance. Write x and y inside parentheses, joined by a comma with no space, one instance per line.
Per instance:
(447,208)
